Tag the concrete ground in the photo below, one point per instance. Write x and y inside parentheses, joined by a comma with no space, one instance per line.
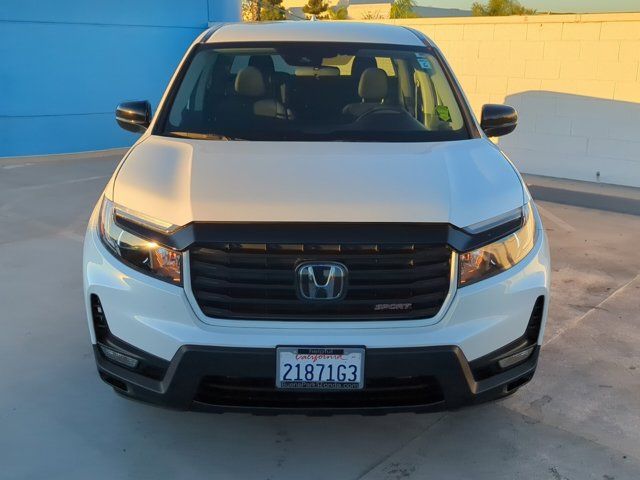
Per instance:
(578,419)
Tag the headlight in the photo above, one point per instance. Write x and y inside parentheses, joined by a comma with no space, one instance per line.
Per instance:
(144,255)
(499,256)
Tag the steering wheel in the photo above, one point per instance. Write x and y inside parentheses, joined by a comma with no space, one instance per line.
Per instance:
(375,111)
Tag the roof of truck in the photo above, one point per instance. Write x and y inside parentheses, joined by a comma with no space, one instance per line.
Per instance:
(313,31)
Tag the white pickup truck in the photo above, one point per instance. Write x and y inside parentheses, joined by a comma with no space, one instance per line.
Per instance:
(314,221)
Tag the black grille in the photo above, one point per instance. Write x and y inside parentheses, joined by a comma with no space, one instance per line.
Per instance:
(261,392)
(535,322)
(257,281)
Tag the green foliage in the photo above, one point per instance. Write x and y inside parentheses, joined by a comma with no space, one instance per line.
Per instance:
(338,13)
(403,9)
(272,10)
(495,8)
(250,11)
(316,7)
(372,15)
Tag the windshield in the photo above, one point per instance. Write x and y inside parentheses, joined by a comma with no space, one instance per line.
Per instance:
(313,92)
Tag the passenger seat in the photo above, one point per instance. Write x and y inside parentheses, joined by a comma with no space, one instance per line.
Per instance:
(251,98)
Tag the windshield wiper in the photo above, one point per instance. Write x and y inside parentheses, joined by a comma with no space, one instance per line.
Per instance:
(201,136)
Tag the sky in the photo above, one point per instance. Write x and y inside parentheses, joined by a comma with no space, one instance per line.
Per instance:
(580,6)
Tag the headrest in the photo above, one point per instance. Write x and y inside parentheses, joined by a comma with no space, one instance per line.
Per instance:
(373,86)
(360,64)
(249,82)
(264,63)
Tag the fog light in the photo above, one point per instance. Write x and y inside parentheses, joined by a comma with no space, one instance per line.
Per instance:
(118,357)
(516,358)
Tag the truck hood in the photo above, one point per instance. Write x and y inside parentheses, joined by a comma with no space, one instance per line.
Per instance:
(180,181)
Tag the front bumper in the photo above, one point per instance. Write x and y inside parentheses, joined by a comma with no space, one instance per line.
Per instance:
(218,379)
(437,355)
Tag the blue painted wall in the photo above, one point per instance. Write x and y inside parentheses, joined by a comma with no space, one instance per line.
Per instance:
(66,64)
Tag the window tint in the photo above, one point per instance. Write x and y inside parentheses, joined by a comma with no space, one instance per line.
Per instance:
(314,92)
(239,62)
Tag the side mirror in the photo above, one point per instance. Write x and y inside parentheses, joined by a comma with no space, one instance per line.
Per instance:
(498,120)
(134,116)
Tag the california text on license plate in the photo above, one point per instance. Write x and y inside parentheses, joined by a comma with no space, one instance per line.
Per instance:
(334,368)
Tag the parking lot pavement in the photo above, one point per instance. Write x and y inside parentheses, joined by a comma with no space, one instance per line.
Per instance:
(578,419)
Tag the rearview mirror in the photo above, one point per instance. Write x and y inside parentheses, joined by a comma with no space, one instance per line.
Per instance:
(498,120)
(134,116)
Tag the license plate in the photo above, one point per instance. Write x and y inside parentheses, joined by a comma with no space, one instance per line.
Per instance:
(316,368)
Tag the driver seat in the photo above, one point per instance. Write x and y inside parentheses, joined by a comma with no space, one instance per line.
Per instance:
(372,89)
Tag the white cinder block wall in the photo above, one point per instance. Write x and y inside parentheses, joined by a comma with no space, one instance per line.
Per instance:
(575,80)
